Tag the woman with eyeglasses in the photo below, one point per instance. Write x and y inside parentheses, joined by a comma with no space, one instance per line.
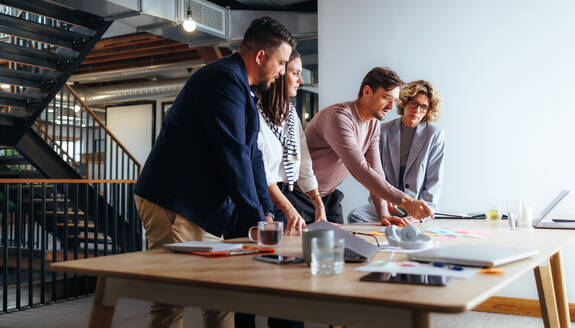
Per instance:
(412,149)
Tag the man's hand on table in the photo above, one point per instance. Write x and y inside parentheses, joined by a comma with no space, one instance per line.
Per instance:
(416,208)
(395,220)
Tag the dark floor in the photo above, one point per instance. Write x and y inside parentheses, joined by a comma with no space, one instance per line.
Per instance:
(133,314)
(128,314)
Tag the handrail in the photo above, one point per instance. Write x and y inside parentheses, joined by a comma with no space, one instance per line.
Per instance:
(55,143)
(80,181)
(104,126)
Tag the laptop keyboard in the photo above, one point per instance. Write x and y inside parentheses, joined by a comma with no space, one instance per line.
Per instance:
(351,256)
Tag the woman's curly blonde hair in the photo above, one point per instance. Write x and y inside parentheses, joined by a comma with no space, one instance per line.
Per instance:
(412,89)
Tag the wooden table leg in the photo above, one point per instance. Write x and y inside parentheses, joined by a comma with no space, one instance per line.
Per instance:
(102,315)
(560,290)
(547,301)
(422,319)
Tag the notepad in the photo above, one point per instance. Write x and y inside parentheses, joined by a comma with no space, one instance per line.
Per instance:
(202,246)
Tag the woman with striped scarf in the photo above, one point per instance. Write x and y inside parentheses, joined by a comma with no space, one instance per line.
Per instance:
(284,149)
(286,161)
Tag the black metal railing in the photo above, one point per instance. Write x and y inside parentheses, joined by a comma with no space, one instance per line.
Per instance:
(81,139)
(45,221)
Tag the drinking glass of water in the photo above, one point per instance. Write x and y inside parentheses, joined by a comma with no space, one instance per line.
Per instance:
(514,214)
(327,259)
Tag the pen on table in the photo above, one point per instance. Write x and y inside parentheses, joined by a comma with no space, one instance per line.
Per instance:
(244,251)
(451,267)
(446,214)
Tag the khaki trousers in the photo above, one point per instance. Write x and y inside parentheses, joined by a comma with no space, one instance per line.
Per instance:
(163,227)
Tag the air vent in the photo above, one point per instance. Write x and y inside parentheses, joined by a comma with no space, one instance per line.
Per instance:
(209,17)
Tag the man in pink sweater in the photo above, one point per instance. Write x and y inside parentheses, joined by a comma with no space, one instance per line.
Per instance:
(344,138)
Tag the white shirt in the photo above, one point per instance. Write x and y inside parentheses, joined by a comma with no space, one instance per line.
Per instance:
(272,152)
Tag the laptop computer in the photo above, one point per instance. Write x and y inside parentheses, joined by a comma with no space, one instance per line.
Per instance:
(474,255)
(356,249)
(539,222)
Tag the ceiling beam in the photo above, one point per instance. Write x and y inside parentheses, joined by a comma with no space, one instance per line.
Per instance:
(209,54)
(147,61)
(142,53)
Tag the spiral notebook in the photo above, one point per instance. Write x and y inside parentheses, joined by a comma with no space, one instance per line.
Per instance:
(202,246)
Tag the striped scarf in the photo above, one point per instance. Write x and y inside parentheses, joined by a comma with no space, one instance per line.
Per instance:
(288,142)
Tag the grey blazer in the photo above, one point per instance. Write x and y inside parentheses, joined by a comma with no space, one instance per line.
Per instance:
(423,177)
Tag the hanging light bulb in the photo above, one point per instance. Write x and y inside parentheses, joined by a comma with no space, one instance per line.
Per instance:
(189,25)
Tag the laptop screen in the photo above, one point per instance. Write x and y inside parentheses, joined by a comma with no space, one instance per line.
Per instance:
(352,242)
(551,206)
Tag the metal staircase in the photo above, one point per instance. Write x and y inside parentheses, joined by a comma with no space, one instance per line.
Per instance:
(48,132)
(41,45)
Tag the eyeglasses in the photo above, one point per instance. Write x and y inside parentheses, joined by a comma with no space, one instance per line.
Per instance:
(390,98)
(366,234)
(422,108)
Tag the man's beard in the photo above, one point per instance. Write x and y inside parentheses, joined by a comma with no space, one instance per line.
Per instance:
(379,116)
(263,83)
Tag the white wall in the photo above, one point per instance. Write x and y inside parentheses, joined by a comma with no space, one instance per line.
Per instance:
(505,71)
(132,125)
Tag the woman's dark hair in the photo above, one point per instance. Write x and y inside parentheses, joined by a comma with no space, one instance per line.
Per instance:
(275,100)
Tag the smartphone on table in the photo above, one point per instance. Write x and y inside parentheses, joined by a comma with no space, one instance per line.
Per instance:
(397,211)
(278,259)
(402,278)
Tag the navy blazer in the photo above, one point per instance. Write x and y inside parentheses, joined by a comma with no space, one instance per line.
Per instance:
(206,153)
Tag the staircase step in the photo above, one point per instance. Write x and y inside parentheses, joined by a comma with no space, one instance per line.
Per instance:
(49,201)
(34,57)
(42,80)
(52,10)
(12,118)
(65,138)
(13,160)
(21,175)
(81,237)
(60,255)
(81,225)
(62,213)
(40,32)
(21,100)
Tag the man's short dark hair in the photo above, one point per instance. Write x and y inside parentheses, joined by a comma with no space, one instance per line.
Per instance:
(380,77)
(266,33)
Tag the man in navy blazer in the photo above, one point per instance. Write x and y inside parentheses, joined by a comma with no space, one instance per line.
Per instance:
(205,172)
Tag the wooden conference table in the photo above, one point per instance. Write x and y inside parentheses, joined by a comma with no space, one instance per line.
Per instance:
(290,291)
